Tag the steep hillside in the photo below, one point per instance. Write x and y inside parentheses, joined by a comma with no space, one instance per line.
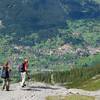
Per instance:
(27,16)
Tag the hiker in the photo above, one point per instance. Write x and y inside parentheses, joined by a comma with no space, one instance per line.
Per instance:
(5,75)
(24,71)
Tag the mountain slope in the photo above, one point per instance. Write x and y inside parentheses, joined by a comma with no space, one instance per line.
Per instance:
(57,30)
(26,16)
(31,14)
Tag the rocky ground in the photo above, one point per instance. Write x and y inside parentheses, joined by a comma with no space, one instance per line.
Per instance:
(39,91)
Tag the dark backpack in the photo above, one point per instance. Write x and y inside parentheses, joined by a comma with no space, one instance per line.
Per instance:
(4,73)
(21,68)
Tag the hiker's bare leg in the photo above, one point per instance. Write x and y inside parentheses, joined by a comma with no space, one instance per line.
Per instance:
(4,84)
(7,84)
(23,77)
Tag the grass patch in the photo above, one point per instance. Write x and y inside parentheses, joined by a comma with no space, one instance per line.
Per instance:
(91,84)
(70,97)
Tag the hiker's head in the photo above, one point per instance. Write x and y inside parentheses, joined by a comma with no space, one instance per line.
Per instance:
(26,60)
(6,64)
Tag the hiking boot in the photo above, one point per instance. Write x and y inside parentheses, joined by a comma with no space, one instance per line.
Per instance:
(23,85)
(7,88)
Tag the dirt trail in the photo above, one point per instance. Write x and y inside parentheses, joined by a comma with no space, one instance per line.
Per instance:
(39,91)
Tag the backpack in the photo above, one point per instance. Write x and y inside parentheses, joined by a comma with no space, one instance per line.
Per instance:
(3,73)
(21,68)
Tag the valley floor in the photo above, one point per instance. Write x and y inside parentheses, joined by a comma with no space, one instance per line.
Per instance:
(39,91)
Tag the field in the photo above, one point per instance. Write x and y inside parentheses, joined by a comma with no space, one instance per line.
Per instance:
(71,97)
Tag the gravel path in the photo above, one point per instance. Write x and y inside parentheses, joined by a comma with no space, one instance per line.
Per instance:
(39,91)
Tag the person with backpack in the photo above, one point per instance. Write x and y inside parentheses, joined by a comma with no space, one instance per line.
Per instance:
(5,75)
(23,68)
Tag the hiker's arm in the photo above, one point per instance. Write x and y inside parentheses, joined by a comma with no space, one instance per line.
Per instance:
(26,68)
(27,73)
